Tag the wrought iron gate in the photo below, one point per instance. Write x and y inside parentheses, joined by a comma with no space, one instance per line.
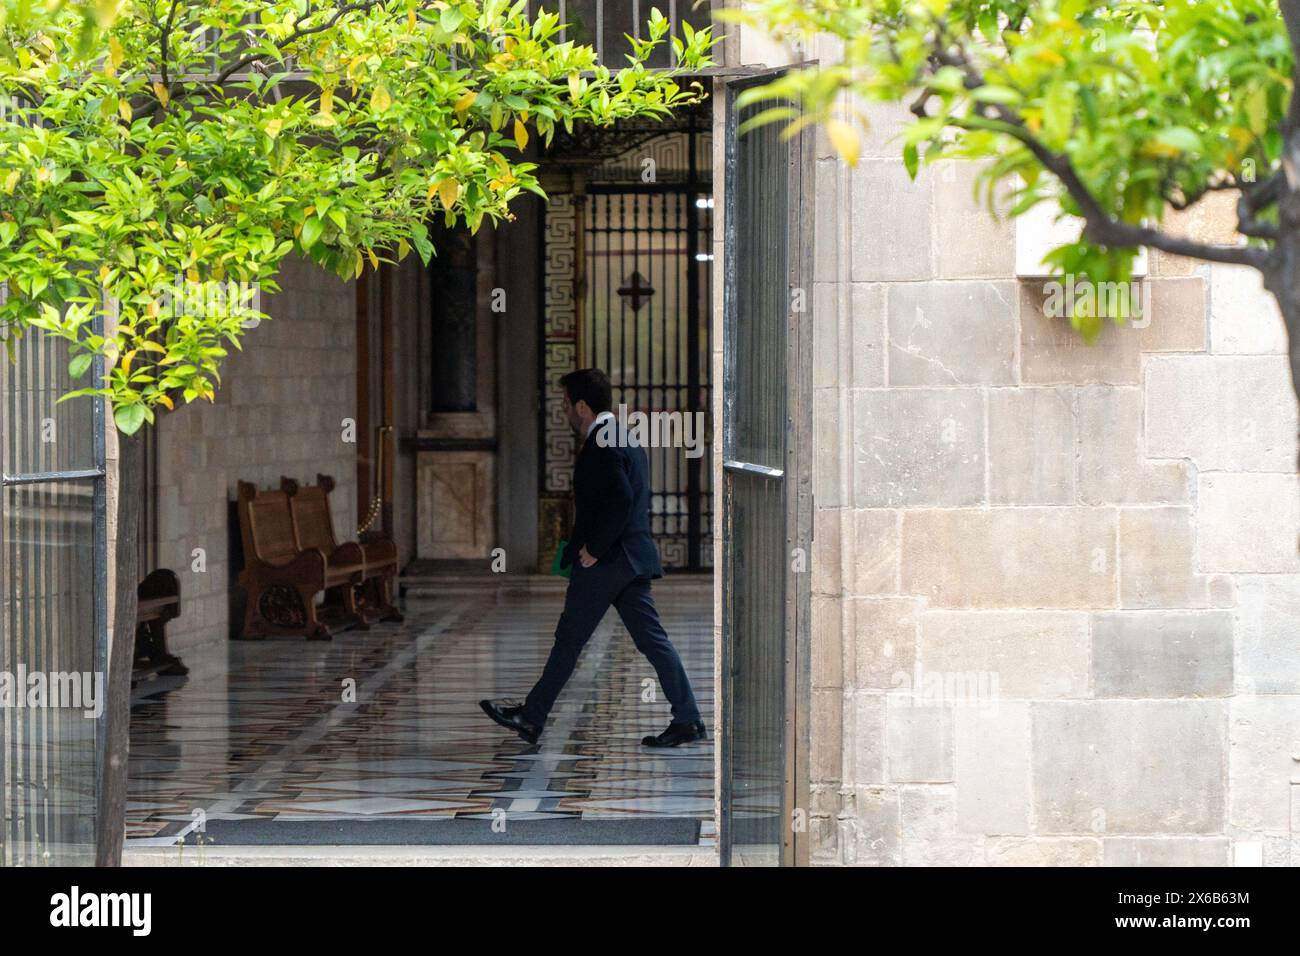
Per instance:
(647,283)
(767,505)
(53,606)
(626,286)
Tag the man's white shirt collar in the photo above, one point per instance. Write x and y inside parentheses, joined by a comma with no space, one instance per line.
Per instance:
(595,422)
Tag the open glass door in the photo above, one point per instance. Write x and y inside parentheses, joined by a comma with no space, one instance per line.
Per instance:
(53,607)
(766,497)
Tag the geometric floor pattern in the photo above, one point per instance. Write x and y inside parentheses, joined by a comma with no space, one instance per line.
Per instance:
(386,724)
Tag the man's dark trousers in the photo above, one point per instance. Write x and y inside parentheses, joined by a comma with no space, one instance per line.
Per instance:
(592,591)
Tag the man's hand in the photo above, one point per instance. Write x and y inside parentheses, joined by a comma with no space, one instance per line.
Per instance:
(586,559)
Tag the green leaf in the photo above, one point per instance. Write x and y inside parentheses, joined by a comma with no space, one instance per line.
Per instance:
(311,231)
(77,367)
(129,418)
(911,159)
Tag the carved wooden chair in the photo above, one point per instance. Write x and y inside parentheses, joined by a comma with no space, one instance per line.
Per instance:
(314,527)
(283,578)
(158,600)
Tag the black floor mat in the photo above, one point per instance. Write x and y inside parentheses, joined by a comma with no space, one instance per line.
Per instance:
(565,831)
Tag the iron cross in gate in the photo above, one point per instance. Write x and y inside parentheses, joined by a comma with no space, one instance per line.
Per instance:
(636,292)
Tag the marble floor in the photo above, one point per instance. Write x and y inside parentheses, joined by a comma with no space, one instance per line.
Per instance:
(386,724)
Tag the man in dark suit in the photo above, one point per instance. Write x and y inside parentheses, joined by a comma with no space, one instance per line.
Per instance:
(614,559)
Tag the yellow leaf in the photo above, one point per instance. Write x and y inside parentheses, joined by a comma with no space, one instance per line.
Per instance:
(575,86)
(115,52)
(845,140)
(273,127)
(374,259)
(380,99)
(153,347)
(466,101)
(103,273)
(160,91)
(410,19)
(448,192)
(124,110)
(164,400)
(126,362)
(11,181)
(521,135)
(327,101)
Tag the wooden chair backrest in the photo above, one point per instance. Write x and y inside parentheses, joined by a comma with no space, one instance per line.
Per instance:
(311,518)
(266,524)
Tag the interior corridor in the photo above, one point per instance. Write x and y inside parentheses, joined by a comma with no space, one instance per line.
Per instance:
(264,739)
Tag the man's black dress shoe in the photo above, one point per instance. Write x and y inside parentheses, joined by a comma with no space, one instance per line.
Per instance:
(677,734)
(510,713)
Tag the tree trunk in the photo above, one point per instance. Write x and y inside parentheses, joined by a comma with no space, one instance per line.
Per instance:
(111,812)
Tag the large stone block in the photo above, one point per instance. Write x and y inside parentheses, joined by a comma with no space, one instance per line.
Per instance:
(992,768)
(1268,635)
(868,738)
(952,333)
(1248,522)
(1226,413)
(828,488)
(930,836)
(827,737)
(1031,446)
(918,741)
(1052,352)
(848,334)
(867,310)
(885,649)
(1119,766)
(1165,851)
(1157,562)
(1113,466)
(878,828)
(1265,735)
(1028,654)
(875,551)
(1014,851)
(882,190)
(917,447)
(1244,317)
(1175,319)
(969,241)
(1011,557)
(827,642)
(827,550)
(1162,654)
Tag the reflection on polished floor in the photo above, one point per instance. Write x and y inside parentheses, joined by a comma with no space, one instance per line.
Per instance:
(267,730)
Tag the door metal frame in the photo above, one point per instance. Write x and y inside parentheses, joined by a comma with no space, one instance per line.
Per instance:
(797,476)
(97,473)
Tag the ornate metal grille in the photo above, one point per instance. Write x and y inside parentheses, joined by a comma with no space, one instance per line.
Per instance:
(648,274)
(626,276)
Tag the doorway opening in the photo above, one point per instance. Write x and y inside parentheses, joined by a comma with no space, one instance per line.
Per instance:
(463,458)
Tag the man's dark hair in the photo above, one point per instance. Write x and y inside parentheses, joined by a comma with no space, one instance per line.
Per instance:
(590,385)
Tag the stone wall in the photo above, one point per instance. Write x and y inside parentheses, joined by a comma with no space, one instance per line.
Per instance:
(279,410)
(1056,586)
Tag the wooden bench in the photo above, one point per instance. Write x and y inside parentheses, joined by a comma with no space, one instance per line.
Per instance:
(313,527)
(158,600)
(282,578)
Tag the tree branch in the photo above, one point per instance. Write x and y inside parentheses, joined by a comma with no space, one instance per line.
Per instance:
(294,37)
(1100,226)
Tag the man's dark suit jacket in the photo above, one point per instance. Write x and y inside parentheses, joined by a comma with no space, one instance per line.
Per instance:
(611,492)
